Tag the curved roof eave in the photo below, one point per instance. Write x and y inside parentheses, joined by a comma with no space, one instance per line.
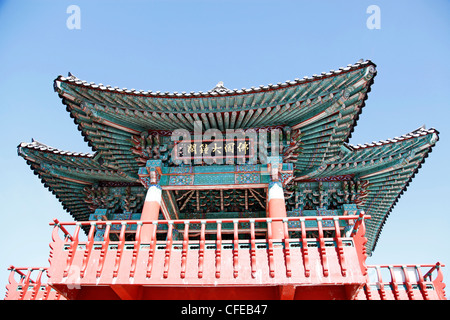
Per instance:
(73,80)
(435,138)
(397,161)
(68,185)
(349,94)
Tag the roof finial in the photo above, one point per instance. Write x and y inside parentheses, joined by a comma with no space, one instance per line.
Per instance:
(220,88)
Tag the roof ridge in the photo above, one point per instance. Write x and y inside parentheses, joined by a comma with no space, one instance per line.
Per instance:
(421,131)
(213,92)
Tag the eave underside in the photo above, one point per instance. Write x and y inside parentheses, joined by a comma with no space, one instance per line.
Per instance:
(67,175)
(387,166)
(324,108)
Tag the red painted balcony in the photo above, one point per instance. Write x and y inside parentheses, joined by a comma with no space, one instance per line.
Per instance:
(404,282)
(212,259)
(29,287)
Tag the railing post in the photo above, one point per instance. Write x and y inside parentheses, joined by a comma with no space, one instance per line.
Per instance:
(422,285)
(380,284)
(26,284)
(305,247)
(168,250)
(394,283)
(409,288)
(47,292)
(185,249)
(88,249)
(287,251)
(73,249)
(339,245)
(360,240)
(120,249)
(252,247)
(137,244)
(151,251)
(105,246)
(37,284)
(201,252)
(235,249)
(322,249)
(270,248)
(218,248)
(438,282)
(358,223)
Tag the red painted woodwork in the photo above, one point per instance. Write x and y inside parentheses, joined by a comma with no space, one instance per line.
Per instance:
(404,282)
(265,267)
(28,287)
(299,266)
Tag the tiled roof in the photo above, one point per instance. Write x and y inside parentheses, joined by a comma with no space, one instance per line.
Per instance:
(66,174)
(388,166)
(214,92)
(36,145)
(324,107)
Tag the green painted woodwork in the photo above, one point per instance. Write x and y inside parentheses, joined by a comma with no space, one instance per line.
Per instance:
(130,133)
(111,119)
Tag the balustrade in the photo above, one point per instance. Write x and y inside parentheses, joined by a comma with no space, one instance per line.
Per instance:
(404,282)
(203,254)
(312,250)
(30,286)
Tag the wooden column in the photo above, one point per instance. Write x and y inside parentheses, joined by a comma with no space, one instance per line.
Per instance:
(277,208)
(150,211)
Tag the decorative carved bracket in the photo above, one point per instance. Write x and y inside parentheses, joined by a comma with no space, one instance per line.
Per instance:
(151,173)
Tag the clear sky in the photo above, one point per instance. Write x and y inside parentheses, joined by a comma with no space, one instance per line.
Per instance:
(192,45)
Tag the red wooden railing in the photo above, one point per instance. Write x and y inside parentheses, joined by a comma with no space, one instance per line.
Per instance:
(304,256)
(404,282)
(30,285)
(72,242)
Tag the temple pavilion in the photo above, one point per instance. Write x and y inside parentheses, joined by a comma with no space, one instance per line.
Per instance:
(225,194)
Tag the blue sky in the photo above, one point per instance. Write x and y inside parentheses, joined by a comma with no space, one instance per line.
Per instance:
(190,46)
